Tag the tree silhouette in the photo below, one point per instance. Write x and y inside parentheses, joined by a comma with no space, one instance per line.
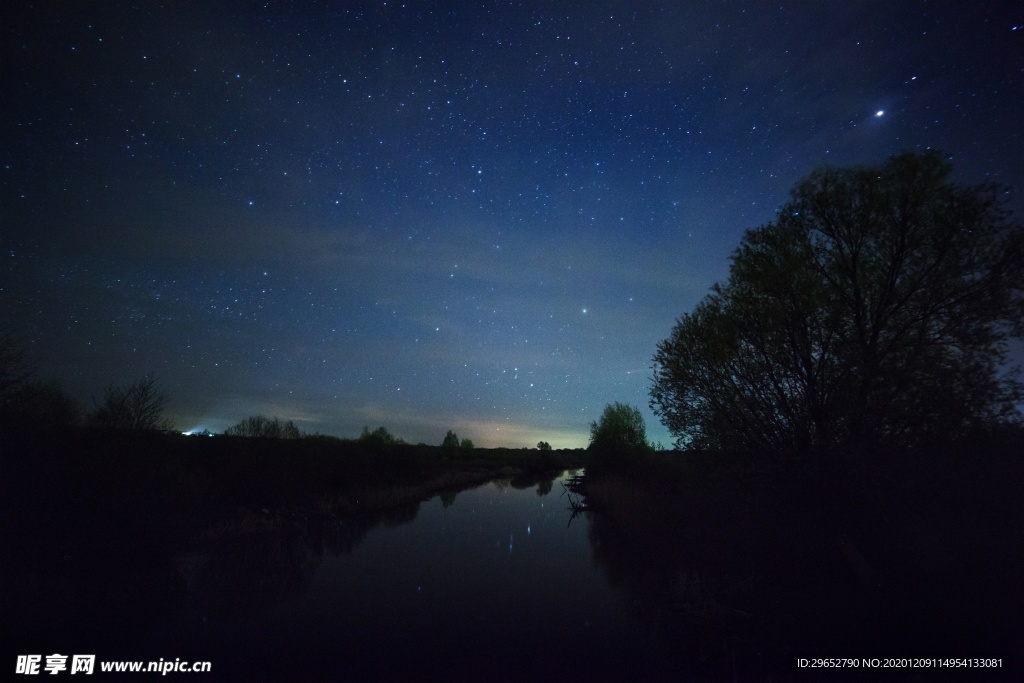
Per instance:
(543,446)
(136,406)
(261,427)
(620,430)
(40,404)
(16,367)
(875,309)
(380,436)
(451,440)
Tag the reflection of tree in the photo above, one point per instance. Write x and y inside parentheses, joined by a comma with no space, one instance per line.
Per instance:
(261,564)
(402,514)
(542,480)
(757,566)
(631,561)
(683,594)
(245,576)
(342,536)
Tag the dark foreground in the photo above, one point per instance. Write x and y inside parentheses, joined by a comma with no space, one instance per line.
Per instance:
(93,523)
(737,569)
(887,557)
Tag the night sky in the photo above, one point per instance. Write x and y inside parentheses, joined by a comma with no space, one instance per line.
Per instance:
(431,216)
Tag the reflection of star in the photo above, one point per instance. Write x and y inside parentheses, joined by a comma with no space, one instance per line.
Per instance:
(879,113)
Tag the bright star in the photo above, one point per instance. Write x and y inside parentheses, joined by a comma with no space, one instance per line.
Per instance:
(879,113)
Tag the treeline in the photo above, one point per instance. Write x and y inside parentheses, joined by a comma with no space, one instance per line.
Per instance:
(27,401)
(258,426)
(140,406)
(224,473)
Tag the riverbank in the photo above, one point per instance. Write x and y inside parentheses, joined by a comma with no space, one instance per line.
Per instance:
(93,523)
(763,562)
(66,483)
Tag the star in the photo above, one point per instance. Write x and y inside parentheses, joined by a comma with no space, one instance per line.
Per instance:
(608,174)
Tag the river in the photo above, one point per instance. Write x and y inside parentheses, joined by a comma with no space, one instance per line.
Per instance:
(498,582)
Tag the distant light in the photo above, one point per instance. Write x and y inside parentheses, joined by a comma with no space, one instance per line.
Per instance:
(879,113)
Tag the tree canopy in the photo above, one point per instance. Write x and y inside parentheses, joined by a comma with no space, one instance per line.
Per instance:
(39,404)
(26,401)
(875,309)
(451,440)
(620,430)
(379,436)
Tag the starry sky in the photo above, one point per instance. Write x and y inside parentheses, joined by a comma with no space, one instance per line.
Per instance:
(440,215)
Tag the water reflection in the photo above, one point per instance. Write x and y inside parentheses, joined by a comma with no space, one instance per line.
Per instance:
(691,580)
(247,575)
(483,583)
(672,597)
(488,583)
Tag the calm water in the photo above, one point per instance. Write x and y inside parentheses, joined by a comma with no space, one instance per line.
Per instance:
(492,583)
